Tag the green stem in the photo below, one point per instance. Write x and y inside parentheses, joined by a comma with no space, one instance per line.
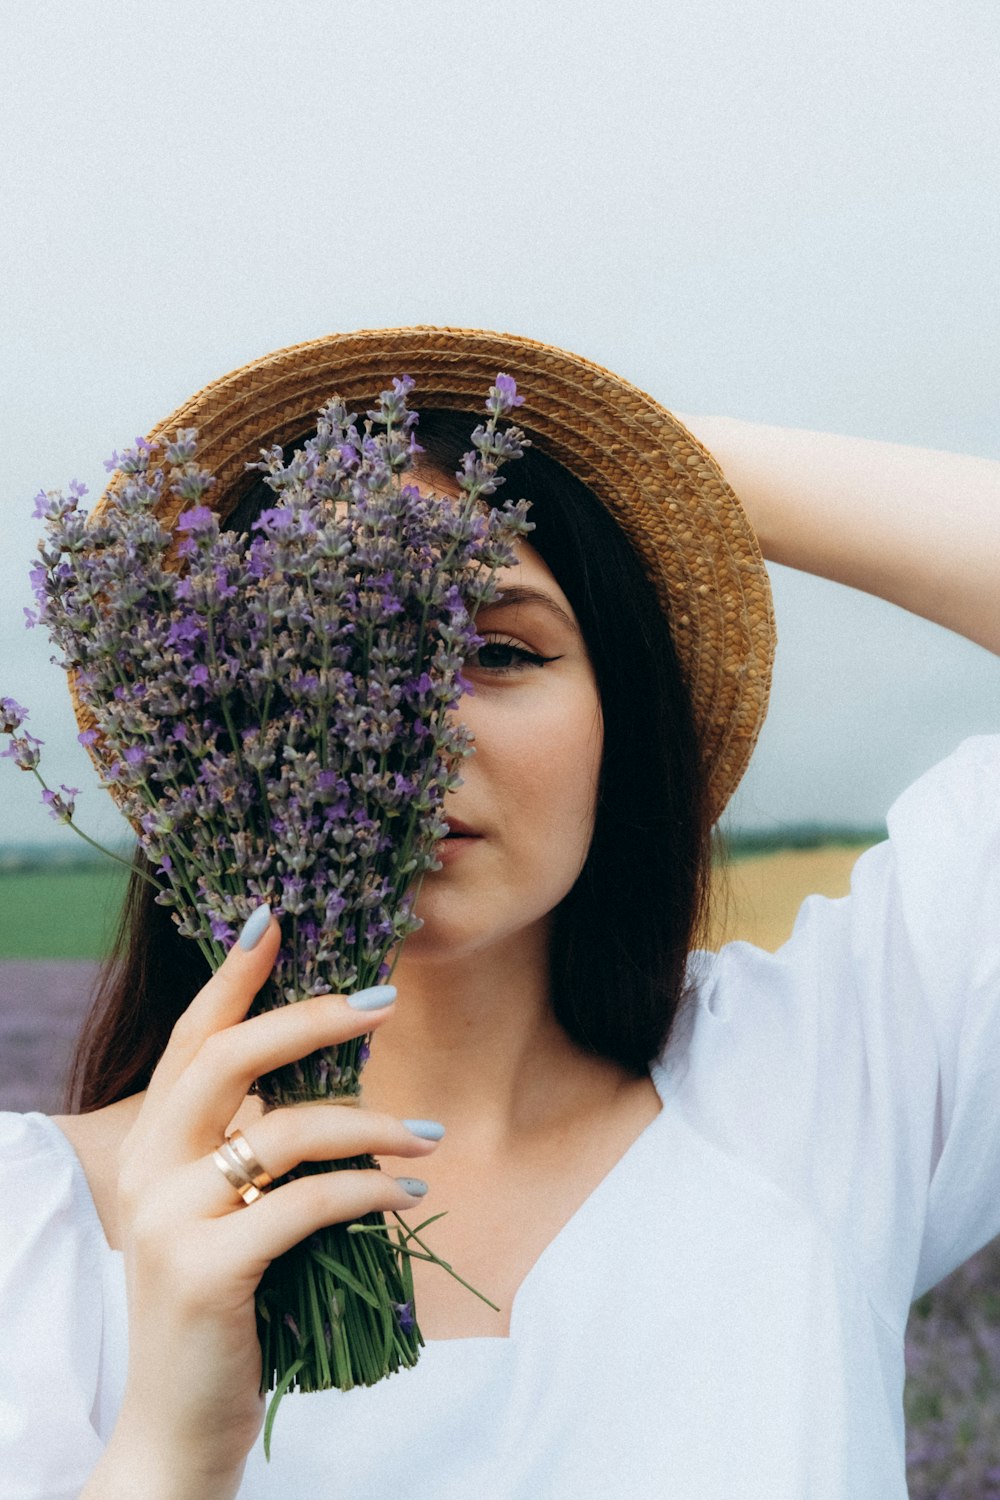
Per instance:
(428,1254)
(95,845)
(224,697)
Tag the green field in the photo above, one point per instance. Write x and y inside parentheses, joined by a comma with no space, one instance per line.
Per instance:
(66,913)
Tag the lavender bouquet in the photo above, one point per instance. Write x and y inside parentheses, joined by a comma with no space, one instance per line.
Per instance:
(270,712)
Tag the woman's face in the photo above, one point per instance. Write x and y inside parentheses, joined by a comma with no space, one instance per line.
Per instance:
(529,790)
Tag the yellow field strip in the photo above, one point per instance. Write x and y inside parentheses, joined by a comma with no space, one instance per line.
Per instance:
(758,899)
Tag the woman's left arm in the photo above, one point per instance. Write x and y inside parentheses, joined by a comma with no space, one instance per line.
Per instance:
(915,526)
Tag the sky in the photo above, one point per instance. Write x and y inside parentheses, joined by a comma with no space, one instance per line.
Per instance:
(779,211)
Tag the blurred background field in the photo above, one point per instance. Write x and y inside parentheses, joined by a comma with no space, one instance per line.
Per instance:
(758,890)
(59,911)
(57,917)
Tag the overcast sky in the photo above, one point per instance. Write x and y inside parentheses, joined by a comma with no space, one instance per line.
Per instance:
(783,211)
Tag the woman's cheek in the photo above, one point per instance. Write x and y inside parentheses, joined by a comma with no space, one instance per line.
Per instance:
(566,757)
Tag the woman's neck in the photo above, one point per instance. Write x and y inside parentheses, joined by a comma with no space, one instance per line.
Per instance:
(473,1042)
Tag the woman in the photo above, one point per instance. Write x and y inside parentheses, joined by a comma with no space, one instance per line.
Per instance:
(703,1199)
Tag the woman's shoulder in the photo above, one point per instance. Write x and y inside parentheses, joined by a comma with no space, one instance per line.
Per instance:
(96,1140)
(918,936)
(936,873)
(855,1066)
(96,1135)
(62,1169)
(30,1142)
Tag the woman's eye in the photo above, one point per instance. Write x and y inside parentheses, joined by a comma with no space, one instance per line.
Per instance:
(495,657)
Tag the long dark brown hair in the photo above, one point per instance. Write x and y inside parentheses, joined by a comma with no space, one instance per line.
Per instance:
(621,936)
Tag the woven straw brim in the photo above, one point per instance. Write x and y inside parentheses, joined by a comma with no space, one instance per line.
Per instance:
(662,487)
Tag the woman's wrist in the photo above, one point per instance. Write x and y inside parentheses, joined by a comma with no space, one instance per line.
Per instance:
(131,1466)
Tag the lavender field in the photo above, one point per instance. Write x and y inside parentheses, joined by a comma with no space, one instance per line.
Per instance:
(952,1397)
(42,1002)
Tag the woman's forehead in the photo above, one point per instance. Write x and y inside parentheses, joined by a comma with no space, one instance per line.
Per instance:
(531,570)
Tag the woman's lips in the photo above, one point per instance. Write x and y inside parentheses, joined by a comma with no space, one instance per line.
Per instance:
(451,847)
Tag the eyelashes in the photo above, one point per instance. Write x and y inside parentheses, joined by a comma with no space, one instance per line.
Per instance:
(527,658)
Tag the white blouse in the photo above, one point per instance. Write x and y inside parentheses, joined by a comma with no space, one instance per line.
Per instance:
(724,1315)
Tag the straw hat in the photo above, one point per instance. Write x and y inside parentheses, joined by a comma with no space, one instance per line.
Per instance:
(662,487)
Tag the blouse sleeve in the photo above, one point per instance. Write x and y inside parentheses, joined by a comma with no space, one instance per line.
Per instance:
(50,1317)
(859,1066)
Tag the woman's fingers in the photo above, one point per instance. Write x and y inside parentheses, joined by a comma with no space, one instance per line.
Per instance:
(324,1132)
(214,1082)
(285,1137)
(199,1200)
(223,1001)
(214,1085)
(284,1216)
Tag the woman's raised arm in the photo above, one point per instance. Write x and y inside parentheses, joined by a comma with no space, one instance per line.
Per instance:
(915,526)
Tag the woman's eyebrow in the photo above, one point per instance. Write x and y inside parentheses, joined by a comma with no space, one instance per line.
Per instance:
(522,594)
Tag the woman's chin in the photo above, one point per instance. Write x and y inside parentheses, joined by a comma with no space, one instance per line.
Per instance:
(440,937)
(457,932)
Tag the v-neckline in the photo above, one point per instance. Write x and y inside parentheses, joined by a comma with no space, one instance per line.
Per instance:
(565,1233)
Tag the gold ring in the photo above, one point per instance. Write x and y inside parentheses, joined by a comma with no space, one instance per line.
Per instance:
(240,1167)
(237,1141)
(242,1184)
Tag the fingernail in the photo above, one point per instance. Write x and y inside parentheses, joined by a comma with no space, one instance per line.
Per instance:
(255,927)
(427,1130)
(376,998)
(415,1186)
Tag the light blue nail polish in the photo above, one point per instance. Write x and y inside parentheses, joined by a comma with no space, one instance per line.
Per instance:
(412,1185)
(375,998)
(255,927)
(427,1130)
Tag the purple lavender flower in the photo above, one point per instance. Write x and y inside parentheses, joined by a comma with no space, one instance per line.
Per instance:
(274,716)
(12,715)
(61,807)
(404,1316)
(268,636)
(201,520)
(24,751)
(503,396)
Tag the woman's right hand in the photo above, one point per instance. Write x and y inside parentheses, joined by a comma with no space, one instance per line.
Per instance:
(194,1252)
